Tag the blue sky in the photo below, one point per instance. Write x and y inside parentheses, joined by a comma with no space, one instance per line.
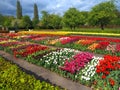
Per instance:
(8,7)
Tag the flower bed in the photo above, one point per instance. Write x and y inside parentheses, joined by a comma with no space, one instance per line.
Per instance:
(12,77)
(100,45)
(53,59)
(68,33)
(79,61)
(82,67)
(85,42)
(79,66)
(22,49)
(29,50)
(108,72)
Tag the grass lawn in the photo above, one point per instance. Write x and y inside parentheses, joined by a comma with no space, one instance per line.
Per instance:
(97,30)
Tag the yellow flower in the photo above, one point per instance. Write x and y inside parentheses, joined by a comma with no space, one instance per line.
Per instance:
(54,41)
(93,46)
(65,33)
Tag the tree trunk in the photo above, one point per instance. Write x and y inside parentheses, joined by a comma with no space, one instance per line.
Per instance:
(102,27)
(74,27)
(71,27)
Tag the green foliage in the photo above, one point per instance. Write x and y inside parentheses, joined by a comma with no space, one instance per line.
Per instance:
(55,21)
(11,77)
(102,14)
(1,19)
(26,22)
(97,30)
(105,84)
(36,16)
(35,23)
(50,21)
(19,10)
(117,20)
(45,19)
(71,18)
(17,23)
(7,21)
(84,17)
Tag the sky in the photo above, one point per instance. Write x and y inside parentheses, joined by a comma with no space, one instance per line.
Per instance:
(8,7)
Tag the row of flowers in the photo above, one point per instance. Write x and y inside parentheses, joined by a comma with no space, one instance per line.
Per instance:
(21,48)
(30,50)
(67,33)
(33,36)
(92,45)
(78,62)
(13,78)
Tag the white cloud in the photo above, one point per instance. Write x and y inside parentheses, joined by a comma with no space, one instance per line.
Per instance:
(8,7)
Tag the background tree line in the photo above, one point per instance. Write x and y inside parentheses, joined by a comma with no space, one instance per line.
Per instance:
(105,13)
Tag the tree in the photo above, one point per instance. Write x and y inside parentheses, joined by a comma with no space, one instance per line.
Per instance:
(45,19)
(117,20)
(71,18)
(50,21)
(7,21)
(1,19)
(19,10)
(83,17)
(15,24)
(26,22)
(54,21)
(102,14)
(36,16)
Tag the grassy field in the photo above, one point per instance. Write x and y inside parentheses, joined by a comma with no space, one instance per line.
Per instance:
(97,30)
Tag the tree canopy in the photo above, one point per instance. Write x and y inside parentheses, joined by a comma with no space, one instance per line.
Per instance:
(26,22)
(102,14)
(71,18)
(55,21)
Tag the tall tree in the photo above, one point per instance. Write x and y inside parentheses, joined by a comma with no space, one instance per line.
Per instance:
(36,16)
(19,10)
(102,14)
